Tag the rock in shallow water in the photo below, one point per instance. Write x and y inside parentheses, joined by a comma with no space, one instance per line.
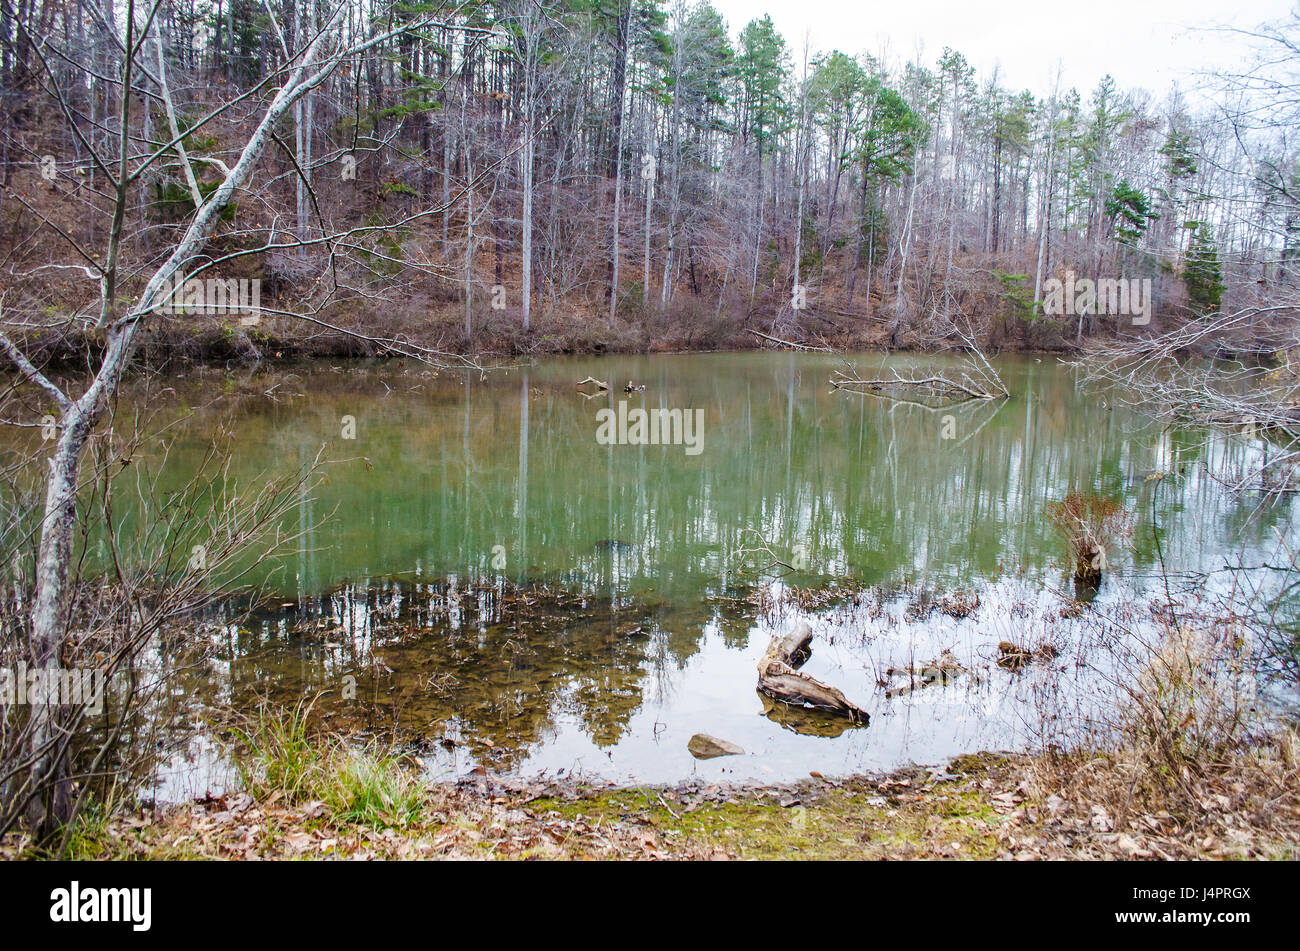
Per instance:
(703,746)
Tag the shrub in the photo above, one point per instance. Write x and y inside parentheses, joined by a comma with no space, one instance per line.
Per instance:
(1093,525)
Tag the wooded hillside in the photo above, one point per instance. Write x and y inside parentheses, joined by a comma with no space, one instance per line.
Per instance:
(494,172)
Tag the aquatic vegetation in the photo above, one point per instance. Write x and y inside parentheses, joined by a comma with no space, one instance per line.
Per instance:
(1094,526)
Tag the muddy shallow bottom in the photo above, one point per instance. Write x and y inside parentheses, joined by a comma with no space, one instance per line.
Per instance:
(535,682)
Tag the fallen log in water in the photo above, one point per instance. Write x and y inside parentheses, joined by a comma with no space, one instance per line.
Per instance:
(780,678)
(942,671)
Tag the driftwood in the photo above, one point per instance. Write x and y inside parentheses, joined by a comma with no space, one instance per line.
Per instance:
(791,343)
(941,386)
(600,384)
(780,678)
(979,380)
(942,671)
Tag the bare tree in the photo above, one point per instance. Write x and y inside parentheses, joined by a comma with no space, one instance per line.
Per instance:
(118,323)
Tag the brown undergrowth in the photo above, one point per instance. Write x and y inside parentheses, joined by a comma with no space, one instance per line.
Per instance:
(984,806)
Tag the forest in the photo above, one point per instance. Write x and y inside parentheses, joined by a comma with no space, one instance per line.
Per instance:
(614,174)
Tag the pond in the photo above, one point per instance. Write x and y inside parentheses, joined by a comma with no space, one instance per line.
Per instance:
(503,569)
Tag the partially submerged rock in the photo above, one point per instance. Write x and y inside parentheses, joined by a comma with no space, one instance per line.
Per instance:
(703,746)
(780,678)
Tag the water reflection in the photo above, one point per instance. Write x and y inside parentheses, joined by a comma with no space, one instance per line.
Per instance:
(458,483)
(448,473)
(482,671)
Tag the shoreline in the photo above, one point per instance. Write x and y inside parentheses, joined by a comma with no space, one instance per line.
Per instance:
(987,806)
(188,342)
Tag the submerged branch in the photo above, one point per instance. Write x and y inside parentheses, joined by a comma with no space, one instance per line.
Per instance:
(939,384)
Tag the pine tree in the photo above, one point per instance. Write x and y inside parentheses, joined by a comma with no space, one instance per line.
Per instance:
(1202,274)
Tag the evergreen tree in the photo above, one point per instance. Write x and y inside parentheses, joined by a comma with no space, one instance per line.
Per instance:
(1202,274)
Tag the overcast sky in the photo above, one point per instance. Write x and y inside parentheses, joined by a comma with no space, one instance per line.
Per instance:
(1146,43)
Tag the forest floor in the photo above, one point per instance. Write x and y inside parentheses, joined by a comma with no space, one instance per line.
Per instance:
(986,806)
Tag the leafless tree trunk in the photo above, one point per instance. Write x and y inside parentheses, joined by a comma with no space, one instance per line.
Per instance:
(121,326)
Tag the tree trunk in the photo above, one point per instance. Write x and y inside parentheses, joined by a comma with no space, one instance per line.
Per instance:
(780,678)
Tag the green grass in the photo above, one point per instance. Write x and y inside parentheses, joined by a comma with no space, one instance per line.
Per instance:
(277,755)
(370,789)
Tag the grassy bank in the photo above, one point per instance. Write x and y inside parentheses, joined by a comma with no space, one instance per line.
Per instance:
(327,802)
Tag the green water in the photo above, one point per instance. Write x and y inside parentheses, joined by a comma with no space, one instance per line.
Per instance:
(453,483)
(472,476)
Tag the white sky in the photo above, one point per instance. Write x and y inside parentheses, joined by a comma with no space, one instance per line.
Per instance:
(1142,43)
